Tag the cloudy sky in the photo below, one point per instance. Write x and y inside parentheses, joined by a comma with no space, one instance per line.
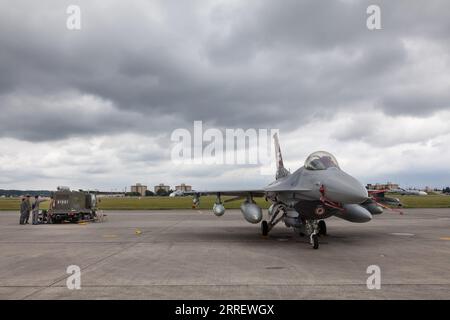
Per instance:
(95,108)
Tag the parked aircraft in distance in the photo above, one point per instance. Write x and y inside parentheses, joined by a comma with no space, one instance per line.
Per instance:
(407,192)
(177,193)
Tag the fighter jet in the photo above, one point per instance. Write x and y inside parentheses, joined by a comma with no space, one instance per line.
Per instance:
(380,197)
(177,193)
(304,198)
(408,192)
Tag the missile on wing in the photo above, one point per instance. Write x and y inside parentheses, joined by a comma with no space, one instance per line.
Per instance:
(354,213)
(372,207)
(252,212)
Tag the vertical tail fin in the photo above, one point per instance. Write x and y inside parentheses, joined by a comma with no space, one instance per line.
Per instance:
(281,170)
(278,155)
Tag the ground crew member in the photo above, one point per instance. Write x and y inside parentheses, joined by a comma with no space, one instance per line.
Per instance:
(35,216)
(23,211)
(28,202)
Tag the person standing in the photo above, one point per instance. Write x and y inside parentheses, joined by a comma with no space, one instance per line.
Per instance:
(28,204)
(35,216)
(23,211)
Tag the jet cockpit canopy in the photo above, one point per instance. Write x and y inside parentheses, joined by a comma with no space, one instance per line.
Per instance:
(321,160)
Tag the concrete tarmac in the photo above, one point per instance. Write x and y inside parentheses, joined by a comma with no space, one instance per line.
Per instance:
(191,254)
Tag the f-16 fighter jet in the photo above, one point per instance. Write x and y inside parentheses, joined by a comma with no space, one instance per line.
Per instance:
(408,192)
(303,199)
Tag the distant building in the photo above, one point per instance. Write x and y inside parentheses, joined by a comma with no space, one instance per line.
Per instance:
(183,187)
(139,188)
(163,187)
(383,186)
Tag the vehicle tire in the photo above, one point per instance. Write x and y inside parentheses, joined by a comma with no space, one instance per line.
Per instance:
(315,241)
(75,219)
(264,228)
(322,228)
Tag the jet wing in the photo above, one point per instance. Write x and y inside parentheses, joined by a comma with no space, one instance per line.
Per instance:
(237,193)
(247,192)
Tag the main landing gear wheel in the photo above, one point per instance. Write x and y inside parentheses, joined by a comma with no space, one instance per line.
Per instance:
(322,228)
(264,228)
(315,241)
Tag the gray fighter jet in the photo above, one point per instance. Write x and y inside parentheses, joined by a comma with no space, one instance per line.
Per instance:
(303,199)
(408,192)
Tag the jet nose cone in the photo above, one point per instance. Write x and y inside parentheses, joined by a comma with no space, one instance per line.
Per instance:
(356,194)
(345,189)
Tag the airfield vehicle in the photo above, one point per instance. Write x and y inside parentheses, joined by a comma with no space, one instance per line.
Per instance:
(72,206)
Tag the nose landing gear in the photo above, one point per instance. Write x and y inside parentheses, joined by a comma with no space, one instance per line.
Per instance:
(322,228)
(314,241)
(312,227)
(264,228)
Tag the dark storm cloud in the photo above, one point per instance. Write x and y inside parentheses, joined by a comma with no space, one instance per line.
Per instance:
(43,117)
(416,102)
(250,65)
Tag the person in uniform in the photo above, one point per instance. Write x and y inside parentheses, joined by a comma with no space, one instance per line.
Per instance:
(28,204)
(23,211)
(35,216)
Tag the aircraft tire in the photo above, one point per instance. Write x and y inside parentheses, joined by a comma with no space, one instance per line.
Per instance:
(322,228)
(264,228)
(315,241)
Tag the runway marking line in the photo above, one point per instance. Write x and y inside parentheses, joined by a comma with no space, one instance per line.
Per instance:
(445,238)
